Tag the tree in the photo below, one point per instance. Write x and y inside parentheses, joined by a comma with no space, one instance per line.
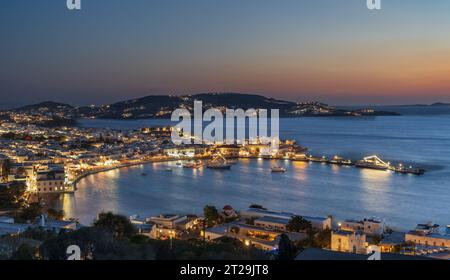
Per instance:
(257,206)
(55,214)
(286,249)
(298,223)
(322,239)
(31,212)
(376,239)
(119,225)
(24,252)
(94,242)
(12,196)
(211,215)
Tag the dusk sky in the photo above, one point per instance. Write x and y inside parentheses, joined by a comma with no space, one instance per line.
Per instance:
(332,51)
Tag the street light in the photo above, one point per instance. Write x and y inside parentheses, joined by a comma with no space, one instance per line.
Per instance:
(171,233)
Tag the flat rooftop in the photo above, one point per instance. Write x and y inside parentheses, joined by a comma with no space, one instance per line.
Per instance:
(345,232)
(8,228)
(431,235)
(285,215)
(273,220)
(394,238)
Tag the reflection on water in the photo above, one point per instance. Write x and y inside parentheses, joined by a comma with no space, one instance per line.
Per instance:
(375,186)
(307,188)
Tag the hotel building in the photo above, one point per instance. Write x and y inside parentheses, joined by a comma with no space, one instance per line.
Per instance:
(48,181)
(349,241)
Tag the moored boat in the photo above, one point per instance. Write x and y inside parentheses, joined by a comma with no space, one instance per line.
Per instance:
(278,169)
(196,164)
(341,161)
(318,159)
(409,170)
(373,162)
(218,162)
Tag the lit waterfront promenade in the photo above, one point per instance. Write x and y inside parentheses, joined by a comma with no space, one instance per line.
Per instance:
(154,159)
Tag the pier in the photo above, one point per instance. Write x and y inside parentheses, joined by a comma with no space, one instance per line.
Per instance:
(371,162)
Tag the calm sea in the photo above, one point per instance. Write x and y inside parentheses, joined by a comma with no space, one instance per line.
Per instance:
(307,188)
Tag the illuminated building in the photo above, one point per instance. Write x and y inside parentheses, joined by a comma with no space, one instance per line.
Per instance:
(48,181)
(368,226)
(348,241)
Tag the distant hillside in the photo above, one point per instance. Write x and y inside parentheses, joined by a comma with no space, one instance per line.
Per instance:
(162,106)
(44,107)
(439,104)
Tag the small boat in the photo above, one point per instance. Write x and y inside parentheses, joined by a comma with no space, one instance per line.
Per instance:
(218,162)
(409,170)
(316,159)
(144,174)
(196,164)
(169,169)
(341,161)
(278,169)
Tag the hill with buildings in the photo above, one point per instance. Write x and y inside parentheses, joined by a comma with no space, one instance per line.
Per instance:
(162,106)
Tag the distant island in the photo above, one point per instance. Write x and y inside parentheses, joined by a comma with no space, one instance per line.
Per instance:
(437,104)
(161,107)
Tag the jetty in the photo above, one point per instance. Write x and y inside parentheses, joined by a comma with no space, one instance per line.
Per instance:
(369,162)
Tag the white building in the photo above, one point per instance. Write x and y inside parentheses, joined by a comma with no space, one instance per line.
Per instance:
(48,181)
(428,235)
(316,222)
(255,236)
(170,221)
(349,241)
(430,240)
(170,225)
(272,223)
(369,226)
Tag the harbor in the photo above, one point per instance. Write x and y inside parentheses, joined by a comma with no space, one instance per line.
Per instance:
(370,162)
(308,187)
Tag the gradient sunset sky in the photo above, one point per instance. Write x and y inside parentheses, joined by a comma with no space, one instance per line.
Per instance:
(334,51)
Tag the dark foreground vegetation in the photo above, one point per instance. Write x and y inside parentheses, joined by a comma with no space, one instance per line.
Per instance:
(113,237)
